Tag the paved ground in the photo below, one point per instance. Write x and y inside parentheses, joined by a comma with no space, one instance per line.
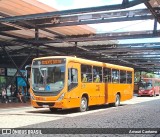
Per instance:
(140,112)
(14,105)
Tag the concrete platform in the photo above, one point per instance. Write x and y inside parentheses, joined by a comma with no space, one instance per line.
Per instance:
(14,105)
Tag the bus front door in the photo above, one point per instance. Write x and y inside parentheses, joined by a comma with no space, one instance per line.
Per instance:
(73,86)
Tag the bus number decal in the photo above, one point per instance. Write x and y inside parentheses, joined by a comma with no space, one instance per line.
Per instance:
(97,88)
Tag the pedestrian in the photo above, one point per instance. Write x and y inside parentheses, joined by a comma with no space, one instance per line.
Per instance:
(4,96)
(21,96)
(12,90)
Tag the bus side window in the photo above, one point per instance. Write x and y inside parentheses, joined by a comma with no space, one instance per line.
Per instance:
(129,77)
(97,74)
(84,79)
(115,76)
(72,78)
(123,76)
(86,73)
(97,79)
(107,75)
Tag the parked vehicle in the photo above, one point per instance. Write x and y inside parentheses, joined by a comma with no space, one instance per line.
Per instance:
(149,87)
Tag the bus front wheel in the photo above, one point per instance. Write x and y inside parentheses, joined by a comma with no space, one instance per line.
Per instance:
(83,104)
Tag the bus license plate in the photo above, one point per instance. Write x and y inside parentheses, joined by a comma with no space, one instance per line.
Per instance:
(45,106)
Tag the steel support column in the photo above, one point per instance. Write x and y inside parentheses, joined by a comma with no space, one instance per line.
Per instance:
(75,50)
(155,27)
(125,2)
(18,69)
(36,39)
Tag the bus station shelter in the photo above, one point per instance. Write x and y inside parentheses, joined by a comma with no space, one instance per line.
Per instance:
(30,29)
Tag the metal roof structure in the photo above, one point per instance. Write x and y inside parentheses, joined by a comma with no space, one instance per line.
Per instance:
(30,29)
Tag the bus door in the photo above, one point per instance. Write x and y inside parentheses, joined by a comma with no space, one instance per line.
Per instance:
(73,87)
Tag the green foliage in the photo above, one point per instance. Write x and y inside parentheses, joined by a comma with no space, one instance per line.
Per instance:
(143,75)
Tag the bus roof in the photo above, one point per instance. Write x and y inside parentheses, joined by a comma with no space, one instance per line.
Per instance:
(86,61)
(155,79)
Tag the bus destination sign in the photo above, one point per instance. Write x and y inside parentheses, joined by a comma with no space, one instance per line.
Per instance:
(49,61)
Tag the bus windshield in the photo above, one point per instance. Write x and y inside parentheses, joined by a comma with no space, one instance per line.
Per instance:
(48,78)
(145,85)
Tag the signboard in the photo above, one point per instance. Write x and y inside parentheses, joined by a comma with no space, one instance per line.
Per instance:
(2,80)
(24,73)
(21,82)
(49,61)
(11,71)
(2,71)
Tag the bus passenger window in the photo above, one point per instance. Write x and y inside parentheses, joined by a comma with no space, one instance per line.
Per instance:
(97,79)
(97,74)
(129,77)
(86,73)
(123,76)
(115,76)
(107,75)
(84,78)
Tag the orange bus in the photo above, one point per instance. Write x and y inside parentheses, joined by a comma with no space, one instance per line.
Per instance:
(149,87)
(62,82)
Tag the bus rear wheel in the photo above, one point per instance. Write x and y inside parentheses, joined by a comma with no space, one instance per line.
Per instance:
(83,104)
(117,101)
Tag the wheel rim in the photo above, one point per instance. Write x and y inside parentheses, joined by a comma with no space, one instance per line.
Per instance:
(83,104)
(117,100)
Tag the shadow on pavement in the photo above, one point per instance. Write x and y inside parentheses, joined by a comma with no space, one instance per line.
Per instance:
(68,111)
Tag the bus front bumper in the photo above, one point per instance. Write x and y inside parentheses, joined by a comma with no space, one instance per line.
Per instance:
(145,93)
(50,104)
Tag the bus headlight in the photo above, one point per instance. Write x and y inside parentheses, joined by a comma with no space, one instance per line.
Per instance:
(140,91)
(61,97)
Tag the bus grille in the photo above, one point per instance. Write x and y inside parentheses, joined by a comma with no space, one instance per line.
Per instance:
(42,103)
(45,93)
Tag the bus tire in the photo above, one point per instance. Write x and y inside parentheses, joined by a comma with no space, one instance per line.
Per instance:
(117,101)
(83,104)
(53,109)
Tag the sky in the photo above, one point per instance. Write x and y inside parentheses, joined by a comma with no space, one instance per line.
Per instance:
(107,27)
